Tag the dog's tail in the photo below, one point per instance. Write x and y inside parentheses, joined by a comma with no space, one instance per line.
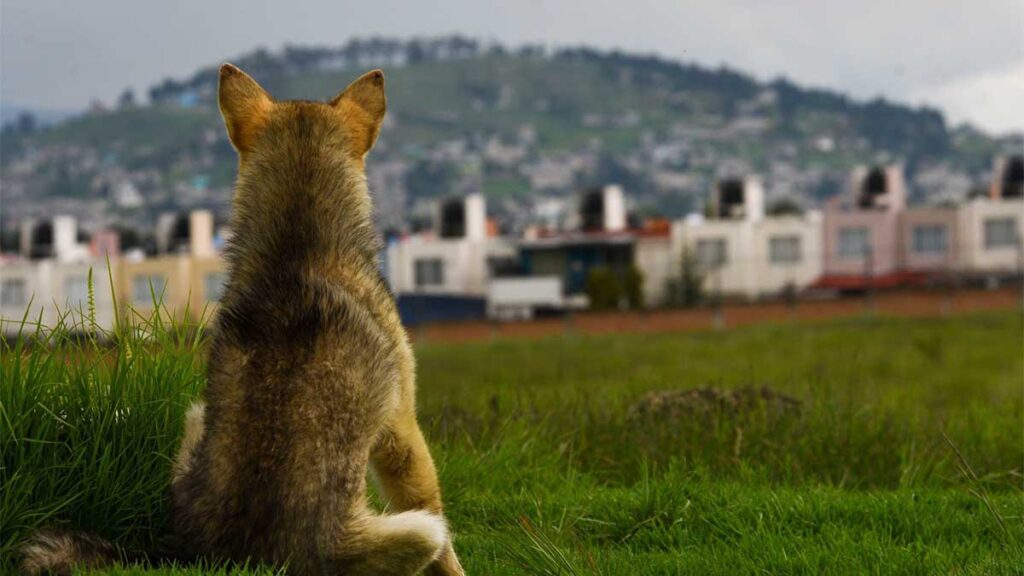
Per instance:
(60,552)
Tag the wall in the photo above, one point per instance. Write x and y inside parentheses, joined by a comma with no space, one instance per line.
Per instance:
(69,289)
(883,237)
(748,270)
(176,271)
(915,261)
(464,263)
(36,283)
(56,289)
(735,276)
(770,278)
(202,303)
(975,257)
(653,256)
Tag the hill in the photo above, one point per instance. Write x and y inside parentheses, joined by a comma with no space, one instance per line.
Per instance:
(517,124)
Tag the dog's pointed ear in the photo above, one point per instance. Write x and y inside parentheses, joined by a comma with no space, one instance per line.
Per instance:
(244,105)
(362,106)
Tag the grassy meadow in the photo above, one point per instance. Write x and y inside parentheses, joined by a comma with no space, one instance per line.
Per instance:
(904,457)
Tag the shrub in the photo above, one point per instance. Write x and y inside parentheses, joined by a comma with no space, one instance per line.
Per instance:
(688,290)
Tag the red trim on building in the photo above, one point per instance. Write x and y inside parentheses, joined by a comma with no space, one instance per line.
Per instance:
(860,281)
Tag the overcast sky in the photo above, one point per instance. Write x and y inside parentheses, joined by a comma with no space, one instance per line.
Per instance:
(966,58)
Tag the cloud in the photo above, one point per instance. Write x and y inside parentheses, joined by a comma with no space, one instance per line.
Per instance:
(992,100)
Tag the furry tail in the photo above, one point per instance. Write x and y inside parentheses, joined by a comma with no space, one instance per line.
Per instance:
(60,552)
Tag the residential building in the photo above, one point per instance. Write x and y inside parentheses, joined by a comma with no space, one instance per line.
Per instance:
(656,260)
(453,258)
(929,240)
(598,237)
(52,277)
(177,277)
(1007,178)
(992,229)
(742,252)
(861,230)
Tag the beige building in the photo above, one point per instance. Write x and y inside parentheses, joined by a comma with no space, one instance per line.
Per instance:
(52,277)
(991,233)
(49,282)
(929,239)
(742,252)
(183,277)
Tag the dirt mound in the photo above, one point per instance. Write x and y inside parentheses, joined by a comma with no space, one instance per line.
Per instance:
(702,402)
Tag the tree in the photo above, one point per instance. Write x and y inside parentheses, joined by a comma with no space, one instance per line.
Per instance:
(688,290)
(126,99)
(602,289)
(785,207)
(609,290)
(26,123)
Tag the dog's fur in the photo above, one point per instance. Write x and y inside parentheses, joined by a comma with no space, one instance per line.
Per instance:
(311,377)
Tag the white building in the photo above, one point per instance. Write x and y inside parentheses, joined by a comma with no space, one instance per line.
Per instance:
(453,258)
(25,291)
(56,237)
(991,233)
(657,262)
(991,230)
(741,252)
(51,279)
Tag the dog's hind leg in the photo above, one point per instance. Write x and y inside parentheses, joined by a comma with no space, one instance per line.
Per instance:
(195,420)
(407,477)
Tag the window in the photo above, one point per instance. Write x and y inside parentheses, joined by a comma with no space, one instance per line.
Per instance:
(214,286)
(930,239)
(12,292)
(76,291)
(784,249)
(711,253)
(144,286)
(853,242)
(1000,233)
(429,272)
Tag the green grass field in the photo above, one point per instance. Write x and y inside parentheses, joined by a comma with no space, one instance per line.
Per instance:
(544,474)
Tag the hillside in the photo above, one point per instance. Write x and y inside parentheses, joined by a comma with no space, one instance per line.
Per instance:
(516,124)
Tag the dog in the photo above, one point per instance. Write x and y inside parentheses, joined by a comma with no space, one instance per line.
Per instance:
(311,377)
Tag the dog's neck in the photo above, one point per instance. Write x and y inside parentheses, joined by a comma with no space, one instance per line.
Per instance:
(319,229)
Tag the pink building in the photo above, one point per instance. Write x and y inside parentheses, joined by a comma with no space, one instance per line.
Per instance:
(929,239)
(862,230)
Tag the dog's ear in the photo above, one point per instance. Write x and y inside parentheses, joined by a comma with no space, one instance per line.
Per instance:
(244,105)
(362,106)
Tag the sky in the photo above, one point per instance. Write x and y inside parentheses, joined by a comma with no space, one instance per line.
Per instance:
(965,58)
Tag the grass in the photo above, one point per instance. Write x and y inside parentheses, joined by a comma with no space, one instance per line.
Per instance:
(906,457)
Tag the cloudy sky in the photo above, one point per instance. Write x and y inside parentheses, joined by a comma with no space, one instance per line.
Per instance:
(966,57)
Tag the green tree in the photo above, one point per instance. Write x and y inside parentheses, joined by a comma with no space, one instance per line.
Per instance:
(688,290)
(602,288)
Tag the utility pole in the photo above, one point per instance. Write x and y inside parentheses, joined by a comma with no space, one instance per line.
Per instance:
(1020,268)
(869,271)
(719,317)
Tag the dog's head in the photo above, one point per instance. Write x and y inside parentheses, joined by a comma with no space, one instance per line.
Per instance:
(258,125)
(301,170)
